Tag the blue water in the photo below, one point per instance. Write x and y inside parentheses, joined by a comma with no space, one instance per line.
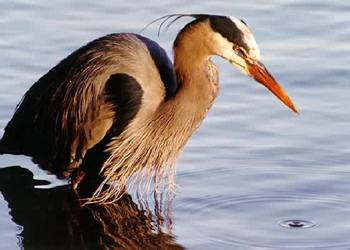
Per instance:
(251,165)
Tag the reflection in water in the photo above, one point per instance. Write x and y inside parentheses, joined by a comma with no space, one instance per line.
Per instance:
(54,219)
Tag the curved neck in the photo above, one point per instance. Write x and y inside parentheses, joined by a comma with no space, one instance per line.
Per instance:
(196,74)
(159,138)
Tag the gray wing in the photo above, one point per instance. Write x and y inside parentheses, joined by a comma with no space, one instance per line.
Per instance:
(69,109)
(88,98)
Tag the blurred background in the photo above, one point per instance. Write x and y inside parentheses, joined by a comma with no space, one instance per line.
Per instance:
(253,163)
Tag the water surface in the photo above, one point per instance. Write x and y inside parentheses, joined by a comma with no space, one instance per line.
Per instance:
(251,165)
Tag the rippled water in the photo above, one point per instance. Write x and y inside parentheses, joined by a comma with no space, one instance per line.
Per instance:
(252,164)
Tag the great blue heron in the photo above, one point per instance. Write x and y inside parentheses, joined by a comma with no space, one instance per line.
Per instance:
(122,97)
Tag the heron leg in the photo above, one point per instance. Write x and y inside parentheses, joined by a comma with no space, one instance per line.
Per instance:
(77,178)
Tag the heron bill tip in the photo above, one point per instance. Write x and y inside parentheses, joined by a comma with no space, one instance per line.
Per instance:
(259,72)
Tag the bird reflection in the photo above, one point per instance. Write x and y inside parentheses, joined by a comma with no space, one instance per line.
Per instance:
(54,218)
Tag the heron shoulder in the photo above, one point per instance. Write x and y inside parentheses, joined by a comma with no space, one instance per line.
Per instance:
(163,64)
(140,57)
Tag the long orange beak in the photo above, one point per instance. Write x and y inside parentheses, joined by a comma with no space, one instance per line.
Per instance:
(262,75)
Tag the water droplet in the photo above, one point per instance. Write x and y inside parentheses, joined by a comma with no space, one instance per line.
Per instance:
(297,224)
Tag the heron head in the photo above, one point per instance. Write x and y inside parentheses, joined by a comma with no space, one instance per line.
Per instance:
(234,41)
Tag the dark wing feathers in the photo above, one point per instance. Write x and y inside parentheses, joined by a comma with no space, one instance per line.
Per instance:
(70,109)
(81,103)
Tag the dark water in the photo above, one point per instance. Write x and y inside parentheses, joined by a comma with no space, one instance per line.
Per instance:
(252,166)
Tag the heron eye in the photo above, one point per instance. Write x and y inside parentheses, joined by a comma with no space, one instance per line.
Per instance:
(240,51)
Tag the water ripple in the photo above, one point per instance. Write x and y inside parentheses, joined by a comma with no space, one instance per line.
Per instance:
(255,221)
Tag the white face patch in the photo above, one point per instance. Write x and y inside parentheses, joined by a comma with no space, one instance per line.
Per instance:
(254,51)
(224,49)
